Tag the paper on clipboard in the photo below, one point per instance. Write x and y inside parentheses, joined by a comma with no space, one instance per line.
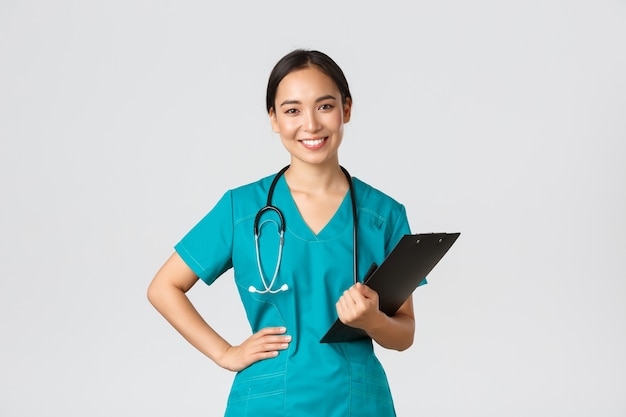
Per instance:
(406,266)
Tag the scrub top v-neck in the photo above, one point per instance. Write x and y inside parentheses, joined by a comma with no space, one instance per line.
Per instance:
(339,222)
(309,378)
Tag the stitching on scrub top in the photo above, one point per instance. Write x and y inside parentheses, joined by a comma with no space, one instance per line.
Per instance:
(261,377)
(204,270)
(378,219)
(244,219)
(267,302)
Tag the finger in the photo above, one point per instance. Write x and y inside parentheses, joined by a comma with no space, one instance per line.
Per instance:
(276,340)
(271,331)
(363,302)
(347,309)
(342,313)
(270,347)
(357,296)
(345,304)
(366,291)
(340,306)
(356,301)
(263,355)
(271,342)
(349,296)
(267,350)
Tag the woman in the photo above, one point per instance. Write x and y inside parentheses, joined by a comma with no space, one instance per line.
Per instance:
(294,285)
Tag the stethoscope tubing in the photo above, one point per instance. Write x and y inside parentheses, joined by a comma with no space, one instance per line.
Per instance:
(282,227)
(355,266)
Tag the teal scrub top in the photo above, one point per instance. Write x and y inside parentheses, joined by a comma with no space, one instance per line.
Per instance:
(309,378)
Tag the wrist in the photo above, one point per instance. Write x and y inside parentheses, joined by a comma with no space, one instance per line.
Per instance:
(378,321)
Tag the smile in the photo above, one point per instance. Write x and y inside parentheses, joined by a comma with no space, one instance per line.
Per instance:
(312,142)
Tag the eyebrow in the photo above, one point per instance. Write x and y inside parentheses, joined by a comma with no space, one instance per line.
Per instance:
(322,98)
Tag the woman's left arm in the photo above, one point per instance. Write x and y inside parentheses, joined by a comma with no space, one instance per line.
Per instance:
(358,307)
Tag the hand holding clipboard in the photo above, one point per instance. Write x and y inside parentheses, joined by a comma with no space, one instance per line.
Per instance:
(404,269)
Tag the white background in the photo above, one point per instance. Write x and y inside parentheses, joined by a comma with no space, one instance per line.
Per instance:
(123,122)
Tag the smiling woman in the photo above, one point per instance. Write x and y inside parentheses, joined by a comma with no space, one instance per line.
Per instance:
(296,264)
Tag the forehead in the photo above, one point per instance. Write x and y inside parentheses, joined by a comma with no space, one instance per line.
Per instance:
(310,81)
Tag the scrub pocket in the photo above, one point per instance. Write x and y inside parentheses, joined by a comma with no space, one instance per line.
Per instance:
(369,391)
(255,393)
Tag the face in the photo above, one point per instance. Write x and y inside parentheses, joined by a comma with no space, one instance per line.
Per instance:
(309,116)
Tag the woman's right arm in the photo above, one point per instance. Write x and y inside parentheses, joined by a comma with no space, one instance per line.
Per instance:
(167,293)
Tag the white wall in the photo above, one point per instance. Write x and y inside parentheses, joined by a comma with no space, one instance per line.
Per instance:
(122,122)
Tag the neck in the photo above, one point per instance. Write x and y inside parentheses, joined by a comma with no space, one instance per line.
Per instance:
(315,178)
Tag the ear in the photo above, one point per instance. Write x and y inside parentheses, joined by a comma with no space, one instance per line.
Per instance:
(274,121)
(347,110)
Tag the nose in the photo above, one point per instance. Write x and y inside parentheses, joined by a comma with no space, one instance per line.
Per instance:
(311,121)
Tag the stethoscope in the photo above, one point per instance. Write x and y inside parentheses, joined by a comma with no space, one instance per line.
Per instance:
(268,288)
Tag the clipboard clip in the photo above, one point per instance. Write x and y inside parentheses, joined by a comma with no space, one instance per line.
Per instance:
(418,241)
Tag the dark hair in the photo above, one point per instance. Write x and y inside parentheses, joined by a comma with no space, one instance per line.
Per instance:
(299,59)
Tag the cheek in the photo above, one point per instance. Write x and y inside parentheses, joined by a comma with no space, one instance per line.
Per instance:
(336,121)
(285,126)
(276,124)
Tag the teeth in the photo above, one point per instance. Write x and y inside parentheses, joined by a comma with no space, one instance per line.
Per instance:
(312,142)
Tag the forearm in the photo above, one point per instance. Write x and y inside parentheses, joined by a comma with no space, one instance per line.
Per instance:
(395,332)
(176,308)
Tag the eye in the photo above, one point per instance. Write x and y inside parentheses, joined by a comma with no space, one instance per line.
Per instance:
(291,111)
(326,106)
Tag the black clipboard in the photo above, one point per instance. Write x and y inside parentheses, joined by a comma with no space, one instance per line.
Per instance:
(402,271)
